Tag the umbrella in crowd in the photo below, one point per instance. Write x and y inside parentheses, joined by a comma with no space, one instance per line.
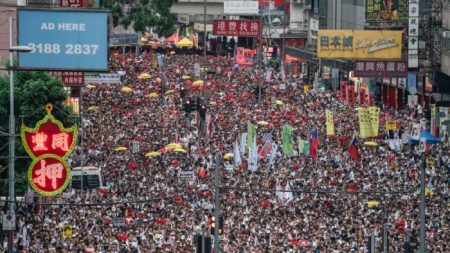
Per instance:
(126,89)
(285,186)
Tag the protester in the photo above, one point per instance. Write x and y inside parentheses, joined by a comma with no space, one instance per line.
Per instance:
(324,207)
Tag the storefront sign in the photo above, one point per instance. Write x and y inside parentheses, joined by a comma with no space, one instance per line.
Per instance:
(413,34)
(359,44)
(381,10)
(380,69)
(242,28)
(240,7)
(69,78)
(313,28)
(49,144)
(71,3)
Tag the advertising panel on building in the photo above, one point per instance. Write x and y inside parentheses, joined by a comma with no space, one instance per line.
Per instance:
(387,10)
(359,44)
(63,39)
(242,28)
(380,69)
(240,7)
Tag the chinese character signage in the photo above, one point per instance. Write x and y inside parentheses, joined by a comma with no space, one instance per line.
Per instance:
(69,78)
(240,7)
(71,3)
(242,28)
(369,119)
(380,69)
(359,44)
(413,34)
(387,11)
(49,144)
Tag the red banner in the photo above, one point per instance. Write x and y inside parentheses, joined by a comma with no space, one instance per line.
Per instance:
(362,97)
(242,28)
(69,78)
(350,94)
(371,99)
(343,91)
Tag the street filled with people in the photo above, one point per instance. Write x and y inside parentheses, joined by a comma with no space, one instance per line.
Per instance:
(157,143)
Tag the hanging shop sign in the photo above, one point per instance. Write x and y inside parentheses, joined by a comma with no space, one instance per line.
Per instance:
(413,34)
(242,28)
(49,144)
(69,78)
(359,44)
(380,69)
(387,11)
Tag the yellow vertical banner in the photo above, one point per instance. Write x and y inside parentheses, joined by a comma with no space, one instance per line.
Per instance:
(329,122)
(433,110)
(363,117)
(369,120)
(67,231)
(374,119)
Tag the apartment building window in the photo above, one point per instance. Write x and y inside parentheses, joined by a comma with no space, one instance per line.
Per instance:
(446,40)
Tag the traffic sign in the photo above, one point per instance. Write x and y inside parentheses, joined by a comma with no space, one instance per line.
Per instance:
(9,222)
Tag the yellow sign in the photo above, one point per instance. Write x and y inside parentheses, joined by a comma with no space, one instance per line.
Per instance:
(433,110)
(67,231)
(359,44)
(391,125)
(369,121)
(306,88)
(330,122)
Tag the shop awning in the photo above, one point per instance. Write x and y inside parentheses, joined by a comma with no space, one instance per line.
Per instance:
(184,43)
(310,56)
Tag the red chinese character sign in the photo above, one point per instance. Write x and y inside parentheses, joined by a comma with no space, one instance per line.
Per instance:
(241,28)
(49,144)
(49,175)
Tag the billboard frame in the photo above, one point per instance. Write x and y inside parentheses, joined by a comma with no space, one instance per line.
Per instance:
(68,10)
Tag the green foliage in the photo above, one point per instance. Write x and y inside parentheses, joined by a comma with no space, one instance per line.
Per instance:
(32,91)
(143,14)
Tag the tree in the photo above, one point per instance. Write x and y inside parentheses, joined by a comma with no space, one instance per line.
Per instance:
(143,14)
(32,91)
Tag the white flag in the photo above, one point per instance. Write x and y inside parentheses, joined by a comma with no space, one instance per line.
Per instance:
(288,196)
(243,143)
(273,153)
(253,157)
(278,191)
(237,155)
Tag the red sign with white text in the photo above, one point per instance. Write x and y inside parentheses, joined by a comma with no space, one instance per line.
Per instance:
(49,174)
(242,28)
(71,3)
(49,144)
(69,78)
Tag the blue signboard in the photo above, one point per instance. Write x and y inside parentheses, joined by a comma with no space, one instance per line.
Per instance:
(63,39)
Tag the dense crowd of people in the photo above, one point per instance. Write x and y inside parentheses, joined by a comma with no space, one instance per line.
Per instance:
(328,210)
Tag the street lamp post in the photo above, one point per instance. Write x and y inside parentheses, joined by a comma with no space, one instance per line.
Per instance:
(12,132)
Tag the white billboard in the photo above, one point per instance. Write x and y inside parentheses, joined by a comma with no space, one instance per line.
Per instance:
(240,7)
